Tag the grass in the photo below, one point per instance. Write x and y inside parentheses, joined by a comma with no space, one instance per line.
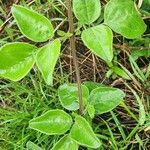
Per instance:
(125,128)
(20,103)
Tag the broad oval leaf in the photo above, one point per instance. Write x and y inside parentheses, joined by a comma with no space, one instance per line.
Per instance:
(52,122)
(46,60)
(16,60)
(68,96)
(34,26)
(65,143)
(87,11)
(104,99)
(31,146)
(83,134)
(123,18)
(99,40)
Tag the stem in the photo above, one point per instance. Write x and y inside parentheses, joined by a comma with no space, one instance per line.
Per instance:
(73,49)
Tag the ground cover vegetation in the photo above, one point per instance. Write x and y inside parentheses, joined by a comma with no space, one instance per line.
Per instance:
(75,74)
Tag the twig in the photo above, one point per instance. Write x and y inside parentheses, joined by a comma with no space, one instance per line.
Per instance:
(73,49)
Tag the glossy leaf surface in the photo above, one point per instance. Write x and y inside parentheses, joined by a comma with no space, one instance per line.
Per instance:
(83,134)
(123,18)
(31,146)
(46,60)
(16,60)
(105,99)
(65,143)
(99,40)
(87,11)
(68,95)
(34,26)
(52,122)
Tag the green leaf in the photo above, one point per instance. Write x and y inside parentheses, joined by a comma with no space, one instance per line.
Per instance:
(68,96)
(65,143)
(109,73)
(135,54)
(120,72)
(91,111)
(123,18)
(31,146)
(46,60)
(87,11)
(93,85)
(105,99)
(52,122)
(16,60)
(99,40)
(83,134)
(64,34)
(145,5)
(34,26)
